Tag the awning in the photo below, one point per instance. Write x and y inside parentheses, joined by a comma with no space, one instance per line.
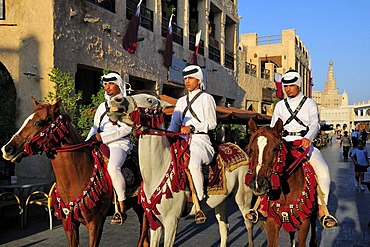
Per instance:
(230,115)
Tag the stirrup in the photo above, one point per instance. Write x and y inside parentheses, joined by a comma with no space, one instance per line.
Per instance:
(200,217)
(118,216)
(327,218)
(252,215)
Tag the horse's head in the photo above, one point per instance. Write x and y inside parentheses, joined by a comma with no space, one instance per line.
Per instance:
(264,148)
(42,117)
(138,110)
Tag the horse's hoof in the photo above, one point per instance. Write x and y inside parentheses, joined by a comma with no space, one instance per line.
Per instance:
(200,217)
(252,215)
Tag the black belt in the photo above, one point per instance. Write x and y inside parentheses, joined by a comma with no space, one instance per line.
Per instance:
(202,133)
(300,133)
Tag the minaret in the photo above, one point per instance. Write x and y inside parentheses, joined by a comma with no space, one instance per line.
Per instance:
(331,84)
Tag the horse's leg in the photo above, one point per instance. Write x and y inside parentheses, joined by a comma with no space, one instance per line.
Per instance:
(155,236)
(272,231)
(144,226)
(95,231)
(73,235)
(304,228)
(223,224)
(243,198)
(313,240)
(170,227)
(292,238)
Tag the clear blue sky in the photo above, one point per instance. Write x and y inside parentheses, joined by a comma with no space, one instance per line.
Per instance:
(337,30)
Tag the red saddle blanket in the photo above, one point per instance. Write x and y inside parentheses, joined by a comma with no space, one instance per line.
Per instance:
(228,157)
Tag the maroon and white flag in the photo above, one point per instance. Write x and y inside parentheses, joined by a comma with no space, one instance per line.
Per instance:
(279,86)
(169,46)
(130,38)
(197,43)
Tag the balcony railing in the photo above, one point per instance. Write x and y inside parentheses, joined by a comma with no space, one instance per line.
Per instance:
(229,61)
(251,69)
(267,40)
(177,31)
(214,53)
(192,44)
(265,74)
(146,15)
(108,4)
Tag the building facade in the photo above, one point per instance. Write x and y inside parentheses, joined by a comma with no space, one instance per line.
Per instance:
(262,57)
(84,37)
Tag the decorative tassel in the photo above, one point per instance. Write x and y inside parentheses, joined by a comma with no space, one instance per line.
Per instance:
(295,221)
(309,203)
(275,181)
(248,177)
(90,203)
(301,214)
(305,209)
(68,225)
(94,195)
(76,213)
(83,207)
(288,227)
(168,193)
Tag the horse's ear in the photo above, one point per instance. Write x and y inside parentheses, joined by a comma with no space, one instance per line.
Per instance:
(35,103)
(279,126)
(252,125)
(57,105)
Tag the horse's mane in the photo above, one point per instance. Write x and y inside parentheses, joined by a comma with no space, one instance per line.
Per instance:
(145,91)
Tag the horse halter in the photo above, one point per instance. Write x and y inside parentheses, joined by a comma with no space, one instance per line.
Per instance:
(49,138)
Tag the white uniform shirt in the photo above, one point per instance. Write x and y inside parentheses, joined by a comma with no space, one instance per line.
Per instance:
(112,135)
(205,108)
(308,114)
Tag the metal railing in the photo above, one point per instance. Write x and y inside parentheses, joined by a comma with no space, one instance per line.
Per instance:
(229,61)
(267,40)
(146,15)
(214,53)
(265,74)
(251,69)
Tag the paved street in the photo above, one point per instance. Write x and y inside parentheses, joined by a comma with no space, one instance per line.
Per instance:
(351,207)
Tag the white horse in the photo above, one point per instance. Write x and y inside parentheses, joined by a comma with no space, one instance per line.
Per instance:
(154,161)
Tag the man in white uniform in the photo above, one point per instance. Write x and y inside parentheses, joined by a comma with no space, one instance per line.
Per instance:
(195,114)
(300,117)
(116,136)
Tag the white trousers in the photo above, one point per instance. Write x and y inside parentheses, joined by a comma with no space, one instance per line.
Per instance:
(322,172)
(116,160)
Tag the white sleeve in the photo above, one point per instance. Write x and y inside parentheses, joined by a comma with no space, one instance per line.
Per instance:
(94,128)
(314,125)
(210,118)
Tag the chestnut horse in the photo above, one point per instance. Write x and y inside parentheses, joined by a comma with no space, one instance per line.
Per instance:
(83,187)
(285,182)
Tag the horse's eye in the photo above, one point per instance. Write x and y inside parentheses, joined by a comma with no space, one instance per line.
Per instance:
(39,123)
(149,100)
(275,150)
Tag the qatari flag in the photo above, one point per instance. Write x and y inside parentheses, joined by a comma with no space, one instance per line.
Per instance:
(130,37)
(197,42)
(169,46)
(279,86)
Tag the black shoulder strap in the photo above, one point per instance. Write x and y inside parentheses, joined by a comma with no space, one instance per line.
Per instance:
(102,115)
(188,107)
(294,114)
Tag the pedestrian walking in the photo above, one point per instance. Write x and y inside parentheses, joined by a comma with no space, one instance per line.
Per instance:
(345,142)
(361,161)
(354,138)
(364,136)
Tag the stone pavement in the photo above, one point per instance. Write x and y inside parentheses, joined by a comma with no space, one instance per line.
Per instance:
(350,206)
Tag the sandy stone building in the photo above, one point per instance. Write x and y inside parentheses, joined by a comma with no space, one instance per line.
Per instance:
(262,58)
(84,37)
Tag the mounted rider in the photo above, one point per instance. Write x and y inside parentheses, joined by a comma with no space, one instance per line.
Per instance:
(116,136)
(195,114)
(301,121)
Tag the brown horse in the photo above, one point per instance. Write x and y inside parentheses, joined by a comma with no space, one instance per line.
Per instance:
(285,182)
(83,187)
